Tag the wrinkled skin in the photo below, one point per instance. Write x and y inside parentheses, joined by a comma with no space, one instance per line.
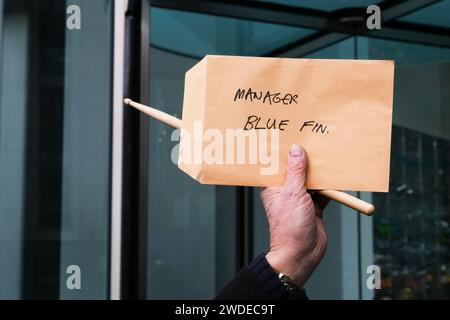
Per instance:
(297,234)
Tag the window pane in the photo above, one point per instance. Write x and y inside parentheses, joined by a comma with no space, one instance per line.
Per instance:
(54,148)
(202,34)
(191,228)
(436,14)
(411,224)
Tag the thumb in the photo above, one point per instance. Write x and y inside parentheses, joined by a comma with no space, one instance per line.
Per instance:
(296,169)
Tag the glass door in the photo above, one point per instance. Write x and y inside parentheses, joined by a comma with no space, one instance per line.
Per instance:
(55,109)
(195,230)
(209,232)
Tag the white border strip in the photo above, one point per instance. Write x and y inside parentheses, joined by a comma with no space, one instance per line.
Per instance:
(120,7)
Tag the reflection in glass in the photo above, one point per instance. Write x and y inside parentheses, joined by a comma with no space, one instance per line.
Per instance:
(54,148)
(436,14)
(191,226)
(202,34)
(411,224)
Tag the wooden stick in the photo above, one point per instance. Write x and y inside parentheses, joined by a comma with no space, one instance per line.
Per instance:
(349,201)
(339,196)
(155,113)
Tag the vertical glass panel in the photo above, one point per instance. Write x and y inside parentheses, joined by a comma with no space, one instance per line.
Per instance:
(13,64)
(54,149)
(412,220)
(191,226)
(86,150)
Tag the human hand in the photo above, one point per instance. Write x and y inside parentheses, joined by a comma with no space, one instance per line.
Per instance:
(297,234)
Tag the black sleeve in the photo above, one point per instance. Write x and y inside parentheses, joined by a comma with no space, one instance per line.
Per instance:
(258,281)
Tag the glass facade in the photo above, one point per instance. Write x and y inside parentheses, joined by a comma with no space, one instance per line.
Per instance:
(196,35)
(407,235)
(190,226)
(434,15)
(412,222)
(54,149)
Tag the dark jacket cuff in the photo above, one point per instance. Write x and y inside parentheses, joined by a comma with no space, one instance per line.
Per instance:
(267,278)
(258,281)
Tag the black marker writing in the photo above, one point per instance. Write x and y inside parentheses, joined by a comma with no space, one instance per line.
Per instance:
(316,127)
(267,97)
(254,122)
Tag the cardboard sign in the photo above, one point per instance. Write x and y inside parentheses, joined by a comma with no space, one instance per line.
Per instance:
(340,111)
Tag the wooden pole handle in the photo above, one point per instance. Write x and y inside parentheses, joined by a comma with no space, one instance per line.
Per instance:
(155,113)
(339,196)
(349,201)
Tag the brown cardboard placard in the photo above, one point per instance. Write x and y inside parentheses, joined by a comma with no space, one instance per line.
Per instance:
(340,111)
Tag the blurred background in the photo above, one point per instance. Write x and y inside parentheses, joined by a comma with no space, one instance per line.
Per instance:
(63,166)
